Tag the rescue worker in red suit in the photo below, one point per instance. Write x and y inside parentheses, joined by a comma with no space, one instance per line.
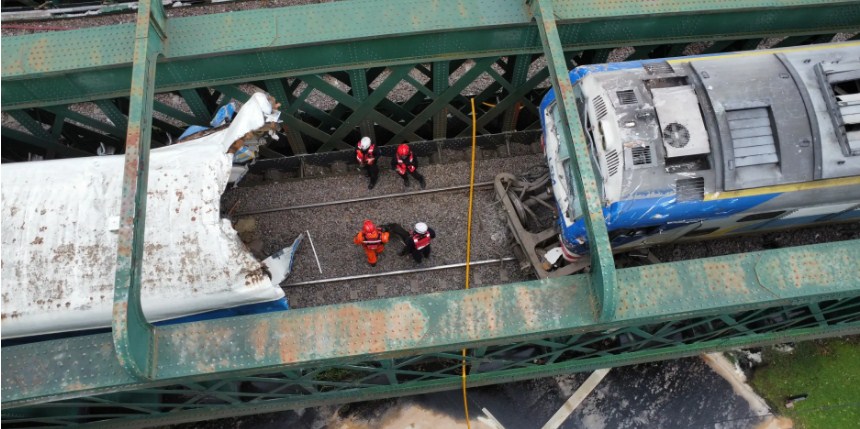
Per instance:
(373,240)
(419,243)
(367,154)
(405,163)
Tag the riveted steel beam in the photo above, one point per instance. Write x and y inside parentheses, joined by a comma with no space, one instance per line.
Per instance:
(358,83)
(602,263)
(120,121)
(316,339)
(521,64)
(440,84)
(277,89)
(89,64)
(49,144)
(133,337)
(515,100)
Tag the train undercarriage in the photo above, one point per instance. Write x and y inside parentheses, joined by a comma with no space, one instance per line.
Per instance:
(530,213)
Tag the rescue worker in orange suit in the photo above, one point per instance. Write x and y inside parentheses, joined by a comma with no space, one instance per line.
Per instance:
(419,243)
(367,154)
(373,240)
(405,163)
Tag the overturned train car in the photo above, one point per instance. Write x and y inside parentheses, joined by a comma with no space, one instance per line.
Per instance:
(59,237)
(706,146)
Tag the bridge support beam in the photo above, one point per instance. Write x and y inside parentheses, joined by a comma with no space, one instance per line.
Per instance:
(133,336)
(603,266)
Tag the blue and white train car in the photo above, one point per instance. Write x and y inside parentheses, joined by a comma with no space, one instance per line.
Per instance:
(59,238)
(713,145)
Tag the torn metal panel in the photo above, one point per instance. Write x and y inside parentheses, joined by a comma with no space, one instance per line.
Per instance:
(60,221)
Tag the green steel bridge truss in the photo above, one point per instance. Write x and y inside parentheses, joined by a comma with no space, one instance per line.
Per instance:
(70,91)
(402,78)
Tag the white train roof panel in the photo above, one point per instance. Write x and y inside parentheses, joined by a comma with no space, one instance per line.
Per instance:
(59,237)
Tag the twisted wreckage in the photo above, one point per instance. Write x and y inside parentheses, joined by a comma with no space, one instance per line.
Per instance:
(60,220)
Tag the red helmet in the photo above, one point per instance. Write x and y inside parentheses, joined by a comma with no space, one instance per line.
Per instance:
(403,151)
(369,227)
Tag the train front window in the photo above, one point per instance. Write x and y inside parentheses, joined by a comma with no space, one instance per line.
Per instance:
(573,209)
(560,169)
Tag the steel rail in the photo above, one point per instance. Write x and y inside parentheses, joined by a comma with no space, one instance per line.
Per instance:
(399,272)
(356,200)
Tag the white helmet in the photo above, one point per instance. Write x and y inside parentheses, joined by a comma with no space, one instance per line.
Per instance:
(421,227)
(364,144)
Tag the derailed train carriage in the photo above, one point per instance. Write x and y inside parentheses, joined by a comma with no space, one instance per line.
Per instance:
(59,237)
(701,147)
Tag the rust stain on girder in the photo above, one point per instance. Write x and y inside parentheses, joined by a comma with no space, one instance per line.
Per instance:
(345,330)
(531,308)
(477,313)
(723,277)
(38,58)
(801,270)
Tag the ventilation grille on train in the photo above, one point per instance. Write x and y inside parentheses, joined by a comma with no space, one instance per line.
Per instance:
(599,107)
(612,162)
(690,189)
(676,135)
(840,83)
(682,126)
(752,137)
(658,68)
(641,155)
(627,97)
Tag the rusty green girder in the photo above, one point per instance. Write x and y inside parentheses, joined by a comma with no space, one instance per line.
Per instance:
(95,63)
(602,263)
(356,67)
(134,337)
(402,346)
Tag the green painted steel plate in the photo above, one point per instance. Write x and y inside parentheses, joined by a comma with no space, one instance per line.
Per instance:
(259,44)
(410,326)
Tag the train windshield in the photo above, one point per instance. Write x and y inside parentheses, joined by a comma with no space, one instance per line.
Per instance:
(560,166)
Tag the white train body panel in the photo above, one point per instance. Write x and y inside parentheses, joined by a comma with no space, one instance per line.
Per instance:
(59,237)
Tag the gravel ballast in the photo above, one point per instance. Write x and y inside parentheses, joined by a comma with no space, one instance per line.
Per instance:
(333,227)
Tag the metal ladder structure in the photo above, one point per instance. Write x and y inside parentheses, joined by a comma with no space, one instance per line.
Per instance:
(141,375)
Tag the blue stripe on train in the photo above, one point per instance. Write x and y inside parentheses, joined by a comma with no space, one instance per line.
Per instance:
(849,215)
(263,307)
(663,212)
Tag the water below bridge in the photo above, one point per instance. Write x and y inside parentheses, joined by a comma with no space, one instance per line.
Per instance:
(683,394)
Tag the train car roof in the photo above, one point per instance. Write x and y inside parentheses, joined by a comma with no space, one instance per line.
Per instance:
(59,237)
(799,139)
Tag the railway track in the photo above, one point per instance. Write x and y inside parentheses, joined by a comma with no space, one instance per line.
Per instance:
(423,192)
(332,208)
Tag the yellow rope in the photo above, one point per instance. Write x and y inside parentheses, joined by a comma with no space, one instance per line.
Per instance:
(469,247)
